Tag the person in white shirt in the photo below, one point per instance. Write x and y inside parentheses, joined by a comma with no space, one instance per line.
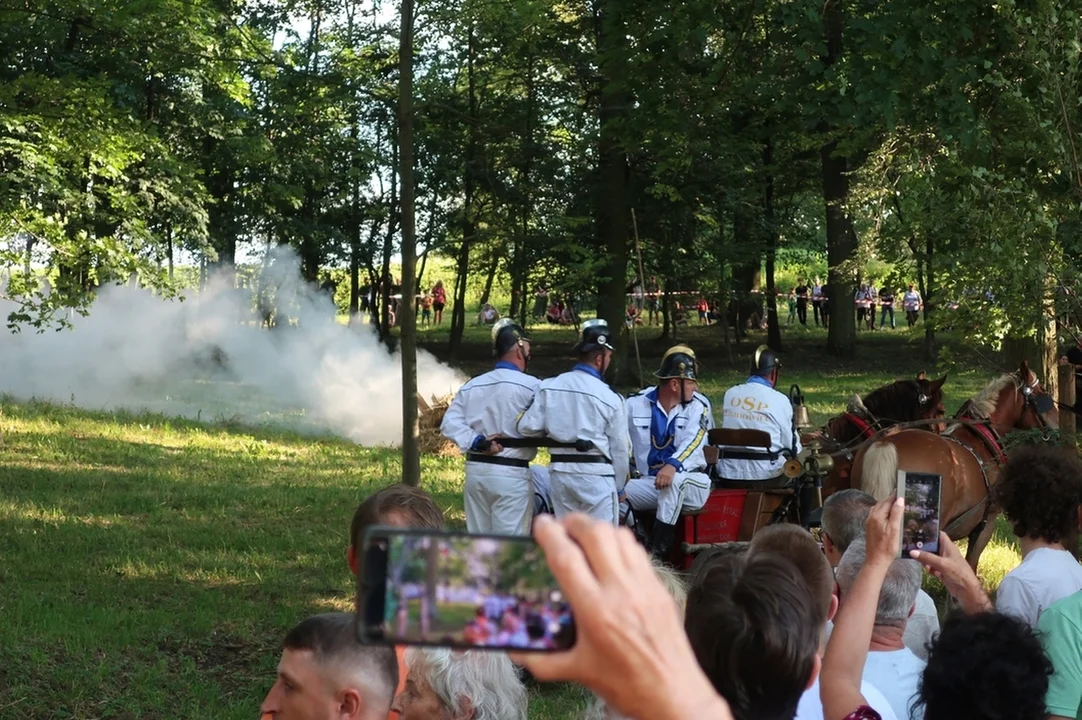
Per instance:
(578,405)
(499,494)
(668,424)
(817,300)
(756,405)
(911,302)
(1040,490)
(844,515)
(891,666)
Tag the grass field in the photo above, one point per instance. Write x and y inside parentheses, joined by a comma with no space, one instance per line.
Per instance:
(151,566)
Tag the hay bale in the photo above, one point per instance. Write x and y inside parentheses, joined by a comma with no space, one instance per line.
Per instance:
(430,416)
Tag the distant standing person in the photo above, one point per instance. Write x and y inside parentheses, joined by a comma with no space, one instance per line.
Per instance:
(911,302)
(1074,357)
(817,300)
(824,304)
(886,303)
(439,301)
(653,301)
(426,309)
(802,294)
(792,307)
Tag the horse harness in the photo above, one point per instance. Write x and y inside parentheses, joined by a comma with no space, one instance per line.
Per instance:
(983,427)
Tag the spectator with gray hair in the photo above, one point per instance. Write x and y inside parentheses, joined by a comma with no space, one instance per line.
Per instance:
(891,666)
(844,515)
(326,674)
(446,684)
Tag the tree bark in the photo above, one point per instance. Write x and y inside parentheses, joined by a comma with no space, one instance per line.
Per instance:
(613,209)
(928,296)
(411,451)
(773,327)
(469,224)
(841,239)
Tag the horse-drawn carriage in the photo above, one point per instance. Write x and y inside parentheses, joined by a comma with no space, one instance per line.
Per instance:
(864,449)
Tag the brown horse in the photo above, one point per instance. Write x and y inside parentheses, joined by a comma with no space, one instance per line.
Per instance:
(968,455)
(899,402)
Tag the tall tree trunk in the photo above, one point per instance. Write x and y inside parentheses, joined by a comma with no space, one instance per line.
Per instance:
(841,239)
(387,280)
(520,295)
(168,249)
(928,294)
(773,327)
(411,455)
(469,223)
(613,209)
(490,276)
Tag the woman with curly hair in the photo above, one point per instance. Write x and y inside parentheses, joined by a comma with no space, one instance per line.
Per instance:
(988,666)
(1040,491)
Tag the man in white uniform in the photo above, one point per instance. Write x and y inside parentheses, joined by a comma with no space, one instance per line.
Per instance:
(578,405)
(499,488)
(756,405)
(668,426)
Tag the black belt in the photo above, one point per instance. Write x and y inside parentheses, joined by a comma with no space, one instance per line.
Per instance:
(596,459)
(497,460)
(747,455)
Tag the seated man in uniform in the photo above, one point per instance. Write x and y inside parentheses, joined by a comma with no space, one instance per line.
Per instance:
(756,405)
(668,425)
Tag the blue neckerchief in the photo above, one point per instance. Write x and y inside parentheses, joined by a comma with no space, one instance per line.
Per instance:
(581,367)
(504,365)
(662,434)
(755,379)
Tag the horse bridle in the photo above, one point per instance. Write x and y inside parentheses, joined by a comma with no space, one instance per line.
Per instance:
(1039,403)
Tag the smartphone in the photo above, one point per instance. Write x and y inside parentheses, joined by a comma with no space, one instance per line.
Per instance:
(920,523)
(463,591)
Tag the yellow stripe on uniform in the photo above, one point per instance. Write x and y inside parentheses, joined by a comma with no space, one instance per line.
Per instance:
(693,446)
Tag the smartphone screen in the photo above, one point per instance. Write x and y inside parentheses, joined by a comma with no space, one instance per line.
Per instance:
(463,591)
(920,523)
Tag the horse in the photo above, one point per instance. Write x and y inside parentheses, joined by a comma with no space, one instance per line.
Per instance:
(902,401)
(967,455)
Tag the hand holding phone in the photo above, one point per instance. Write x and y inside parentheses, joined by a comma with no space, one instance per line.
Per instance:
(920,522)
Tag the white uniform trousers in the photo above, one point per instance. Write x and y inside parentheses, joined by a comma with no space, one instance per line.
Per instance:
(593,495)
(542,502)
(499,499)
(688,491)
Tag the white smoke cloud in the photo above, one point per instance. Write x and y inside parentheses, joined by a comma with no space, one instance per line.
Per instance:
(207,358)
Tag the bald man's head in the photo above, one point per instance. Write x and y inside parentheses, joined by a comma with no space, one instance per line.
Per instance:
(326,674)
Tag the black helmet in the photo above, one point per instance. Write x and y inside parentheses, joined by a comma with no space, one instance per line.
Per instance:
(593,336)
(678,363)
(506,335)
(765,361)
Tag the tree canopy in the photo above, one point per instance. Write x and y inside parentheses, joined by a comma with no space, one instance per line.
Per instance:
(939,137)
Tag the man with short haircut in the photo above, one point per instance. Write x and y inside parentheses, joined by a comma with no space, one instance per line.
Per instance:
(844,515)
(757,405)
(668,424)
(755,631)
(398,505)
(326,674)
(579,405)
(891,666)
(796,544)
(499,489)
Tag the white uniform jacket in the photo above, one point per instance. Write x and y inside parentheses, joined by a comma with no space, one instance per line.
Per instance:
(757,406)
(690,424)
(579,405)
(491,404)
